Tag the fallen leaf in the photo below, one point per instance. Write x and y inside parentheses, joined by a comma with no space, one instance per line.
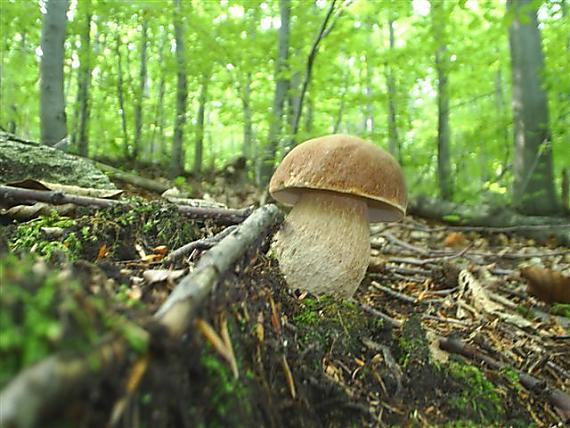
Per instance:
(547,285)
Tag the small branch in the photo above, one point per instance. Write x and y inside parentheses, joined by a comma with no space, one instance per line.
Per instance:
(10,195)
(49,384)
(201,244)
(177,311)
(555,396)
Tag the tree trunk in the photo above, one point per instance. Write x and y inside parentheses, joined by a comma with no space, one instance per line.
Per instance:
(443,131)
(310,114)
(158,121)
(324,31)
(140,96)
(266,167)
(177,159)
(52,98)
(247,119)
(199,148)
(393,136)
(120,94)
(533,190)
(346,84)
(85,83)
(369,108)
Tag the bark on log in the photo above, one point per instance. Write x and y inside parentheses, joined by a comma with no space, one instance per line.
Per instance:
(11,196)
(135,180)
(46,386)
(488,216)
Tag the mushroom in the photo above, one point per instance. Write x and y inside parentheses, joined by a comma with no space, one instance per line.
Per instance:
(337,184)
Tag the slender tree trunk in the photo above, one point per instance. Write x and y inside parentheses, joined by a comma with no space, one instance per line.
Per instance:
(393,135)
(266,167)
(247,119)
(323,32)
(140,96)
(85,83)
(158,121)
(500,104)
(177,159)
(52,99)
(369,112)
(294,94)
(310,114)
(199,147)
(443,131)
(121,95)
(346,84)
(533,190)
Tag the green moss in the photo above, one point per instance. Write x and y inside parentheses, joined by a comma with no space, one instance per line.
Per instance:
(413,343)
(35,313)
(478,399)
(43,312)
(31,237)
(561,309)
(323,319)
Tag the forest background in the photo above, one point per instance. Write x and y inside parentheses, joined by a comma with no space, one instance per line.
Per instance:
(472,97)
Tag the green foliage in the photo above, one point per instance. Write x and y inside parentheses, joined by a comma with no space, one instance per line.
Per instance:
(561,309)
(235,43)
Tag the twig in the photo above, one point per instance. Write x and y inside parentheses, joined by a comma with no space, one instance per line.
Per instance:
(556,397)
(8,195)
(201,244)
(366,308)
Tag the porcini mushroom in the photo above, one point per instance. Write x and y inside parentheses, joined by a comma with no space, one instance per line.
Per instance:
(337,184)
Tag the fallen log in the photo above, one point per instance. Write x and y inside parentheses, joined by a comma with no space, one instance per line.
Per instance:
(11,196)
(47,385)
(487,218)
(555,396)
(136,180)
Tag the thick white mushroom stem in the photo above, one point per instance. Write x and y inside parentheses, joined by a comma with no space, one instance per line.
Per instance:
(324,244)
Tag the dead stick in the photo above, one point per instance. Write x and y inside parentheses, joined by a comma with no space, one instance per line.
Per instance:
(11,194)
(556,397)
(47,385)
(177,311)
(200,244)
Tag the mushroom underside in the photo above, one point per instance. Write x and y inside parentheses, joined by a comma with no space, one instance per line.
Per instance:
(324,244)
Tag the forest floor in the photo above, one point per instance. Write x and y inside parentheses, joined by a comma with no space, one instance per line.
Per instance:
(260,354)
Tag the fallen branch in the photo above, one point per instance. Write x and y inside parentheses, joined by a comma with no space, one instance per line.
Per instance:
(176,312)
(46,386)
(200,244)
(491,218)
(136,180)
(556,397)
(10,196)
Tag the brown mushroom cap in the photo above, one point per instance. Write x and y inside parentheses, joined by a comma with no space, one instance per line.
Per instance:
(343,164)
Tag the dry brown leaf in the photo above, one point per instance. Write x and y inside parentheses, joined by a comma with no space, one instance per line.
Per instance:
(547,285)
(102,252)
(455,239)
(161,249)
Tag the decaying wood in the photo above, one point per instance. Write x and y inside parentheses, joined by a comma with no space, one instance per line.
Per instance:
(10,196)
(45,386)
(136,180)
(556,397)
(488,216)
